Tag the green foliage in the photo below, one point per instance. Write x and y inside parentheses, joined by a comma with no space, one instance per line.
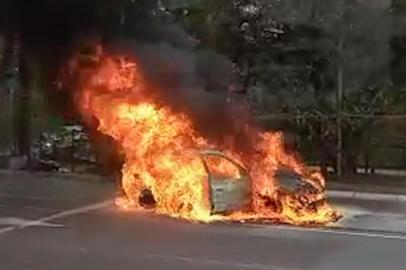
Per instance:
(360,107)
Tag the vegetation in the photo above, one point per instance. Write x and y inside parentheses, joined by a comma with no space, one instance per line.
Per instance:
(331,70)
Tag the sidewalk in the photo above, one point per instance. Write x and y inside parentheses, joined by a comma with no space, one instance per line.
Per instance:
(366,196)
(57,175)
(66,190)
(369,187)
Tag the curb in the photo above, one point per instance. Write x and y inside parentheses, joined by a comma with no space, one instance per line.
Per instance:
(57,175)
(366,196)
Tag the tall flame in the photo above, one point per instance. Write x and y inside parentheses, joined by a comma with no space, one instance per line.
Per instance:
(158,144)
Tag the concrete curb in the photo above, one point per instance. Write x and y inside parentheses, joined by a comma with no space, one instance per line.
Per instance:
(366,196)
(57,175)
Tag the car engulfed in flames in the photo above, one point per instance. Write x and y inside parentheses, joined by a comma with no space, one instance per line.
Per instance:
(160,170)
(228,194)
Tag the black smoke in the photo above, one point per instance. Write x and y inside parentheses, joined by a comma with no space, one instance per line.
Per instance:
(193,81)
(188,77)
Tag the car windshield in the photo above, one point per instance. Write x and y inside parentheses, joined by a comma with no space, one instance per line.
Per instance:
(221,167)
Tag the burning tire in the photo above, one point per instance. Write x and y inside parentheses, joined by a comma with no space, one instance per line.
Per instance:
(147,199)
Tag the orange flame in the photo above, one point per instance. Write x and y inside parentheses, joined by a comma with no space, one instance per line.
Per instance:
(157,144)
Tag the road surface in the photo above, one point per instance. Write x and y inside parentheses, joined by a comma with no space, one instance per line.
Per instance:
(68,224)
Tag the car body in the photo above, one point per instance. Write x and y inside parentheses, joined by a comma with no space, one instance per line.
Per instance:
(227,193)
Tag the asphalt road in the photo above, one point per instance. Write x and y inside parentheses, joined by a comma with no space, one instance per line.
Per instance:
(67,224)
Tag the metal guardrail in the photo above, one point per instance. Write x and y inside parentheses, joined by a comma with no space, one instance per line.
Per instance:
(386,136)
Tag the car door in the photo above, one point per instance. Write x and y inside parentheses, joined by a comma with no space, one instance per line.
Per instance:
(229,183)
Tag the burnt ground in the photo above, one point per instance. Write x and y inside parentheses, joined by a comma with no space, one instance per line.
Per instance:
(76,228)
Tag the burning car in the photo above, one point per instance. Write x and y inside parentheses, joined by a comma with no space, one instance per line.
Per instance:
(231,193)
(263,181)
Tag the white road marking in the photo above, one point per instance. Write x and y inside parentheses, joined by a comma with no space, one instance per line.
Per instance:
(37,208)
(205,261)
(15,221)
(59,215)
(265,228)
(343,231)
